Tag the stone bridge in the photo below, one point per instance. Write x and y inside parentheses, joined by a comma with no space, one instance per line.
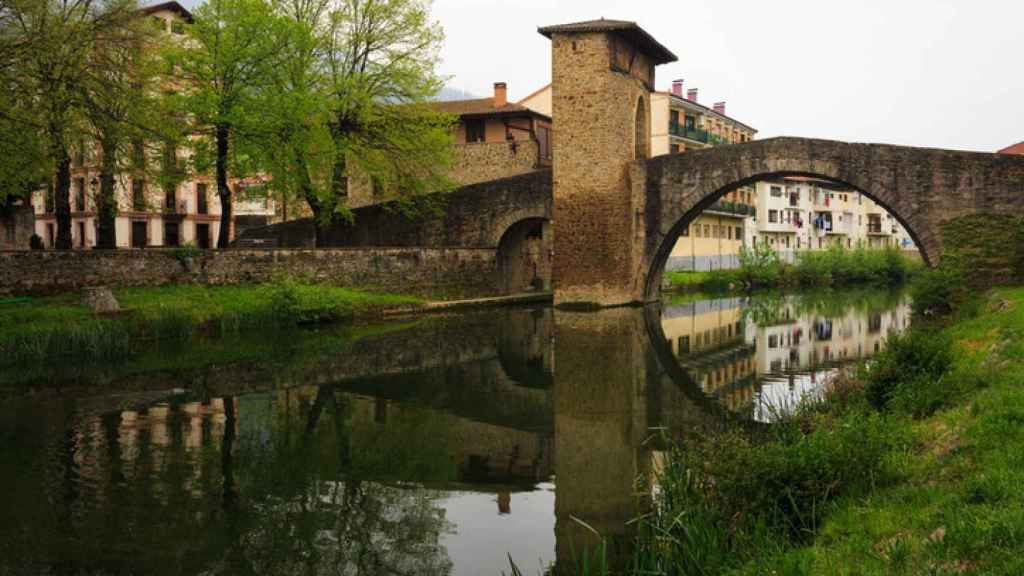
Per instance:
(616,213)
(925,189)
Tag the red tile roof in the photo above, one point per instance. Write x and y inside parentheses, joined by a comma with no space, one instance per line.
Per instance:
(1015,149)
(482,107)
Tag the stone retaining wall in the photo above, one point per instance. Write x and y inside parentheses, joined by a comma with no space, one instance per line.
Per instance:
(448,271)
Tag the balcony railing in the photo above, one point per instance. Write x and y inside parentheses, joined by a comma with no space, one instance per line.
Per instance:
(695,134)
(736,208)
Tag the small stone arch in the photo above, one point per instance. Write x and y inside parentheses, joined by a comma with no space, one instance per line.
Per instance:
(524,257)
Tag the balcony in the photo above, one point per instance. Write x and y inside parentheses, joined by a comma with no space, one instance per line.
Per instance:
(695,134)
(733,208)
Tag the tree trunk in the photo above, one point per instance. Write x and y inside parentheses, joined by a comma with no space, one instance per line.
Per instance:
(106,203)
(223,190)
(62,200)
(321,218)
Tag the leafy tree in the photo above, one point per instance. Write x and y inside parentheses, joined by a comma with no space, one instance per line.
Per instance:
(123,107)
(45,48)
(222,65)
(346,100)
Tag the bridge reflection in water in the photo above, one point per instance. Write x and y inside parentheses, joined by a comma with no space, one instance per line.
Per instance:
(441,448)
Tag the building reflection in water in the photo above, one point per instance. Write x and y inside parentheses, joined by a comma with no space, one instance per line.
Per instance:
(763,355)
(441,449)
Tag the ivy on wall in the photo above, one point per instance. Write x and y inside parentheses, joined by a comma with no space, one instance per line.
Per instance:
(988,247)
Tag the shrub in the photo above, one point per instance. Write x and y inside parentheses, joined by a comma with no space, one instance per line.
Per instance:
(35,242)
(722,500)
(939,292)
(760,266)
(908,375)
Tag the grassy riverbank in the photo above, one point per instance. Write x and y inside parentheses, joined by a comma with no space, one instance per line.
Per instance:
(912,466)
(59,327)
(762,267)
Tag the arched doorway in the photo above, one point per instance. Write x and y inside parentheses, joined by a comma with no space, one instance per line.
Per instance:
(524,257)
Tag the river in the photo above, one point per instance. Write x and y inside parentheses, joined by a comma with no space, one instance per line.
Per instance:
(439,445)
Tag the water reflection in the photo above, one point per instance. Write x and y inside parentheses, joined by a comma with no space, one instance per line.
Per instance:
(438,448)
(762,355)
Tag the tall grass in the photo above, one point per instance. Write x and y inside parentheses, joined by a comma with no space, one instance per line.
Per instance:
(58,328)
(761,267)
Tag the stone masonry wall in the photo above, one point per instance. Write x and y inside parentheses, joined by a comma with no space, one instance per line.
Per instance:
(474,216)
(451,271)
(596,111)
(483,161)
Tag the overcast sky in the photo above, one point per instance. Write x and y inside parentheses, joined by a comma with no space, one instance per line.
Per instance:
(938,73)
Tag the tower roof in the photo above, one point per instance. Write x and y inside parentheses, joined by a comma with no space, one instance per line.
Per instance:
(630,30)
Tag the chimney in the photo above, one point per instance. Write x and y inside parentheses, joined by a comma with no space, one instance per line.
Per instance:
(720,108)
(500,94)
(691,94)
(677,88)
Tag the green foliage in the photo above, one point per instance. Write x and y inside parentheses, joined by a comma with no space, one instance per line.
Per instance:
(724,499)
(59,327)
(940,292)
(761,267)
(910,374)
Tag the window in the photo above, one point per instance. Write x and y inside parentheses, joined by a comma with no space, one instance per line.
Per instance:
(673,121)
(81,234)
(170,198)
(773,341)
(475,130)
(777,191)
(707,231)
(773,216)
(178,27)
(684,344)
(171,234)
(787,241)
(139,233)
(159,24)
(739,233)
(80,194)
(138,154)
(690,123)
(544,140)
(201,199)
(138,195)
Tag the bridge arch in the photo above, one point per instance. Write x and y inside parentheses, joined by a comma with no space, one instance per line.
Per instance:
(523,256)
(913,185)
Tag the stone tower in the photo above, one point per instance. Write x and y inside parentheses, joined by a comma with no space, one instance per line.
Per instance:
(602,77)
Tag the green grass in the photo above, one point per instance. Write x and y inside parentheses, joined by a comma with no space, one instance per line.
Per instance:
(59,327)
(915,469)
(761,267)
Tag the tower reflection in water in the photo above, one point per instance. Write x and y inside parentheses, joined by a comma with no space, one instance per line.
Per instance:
(444,448)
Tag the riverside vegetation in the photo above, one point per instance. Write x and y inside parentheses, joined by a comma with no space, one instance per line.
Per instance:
(909,465)
(60,327)
(761,267)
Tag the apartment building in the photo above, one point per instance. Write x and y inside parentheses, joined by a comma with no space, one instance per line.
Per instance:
(151,213)
(800,214)
(680,123)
